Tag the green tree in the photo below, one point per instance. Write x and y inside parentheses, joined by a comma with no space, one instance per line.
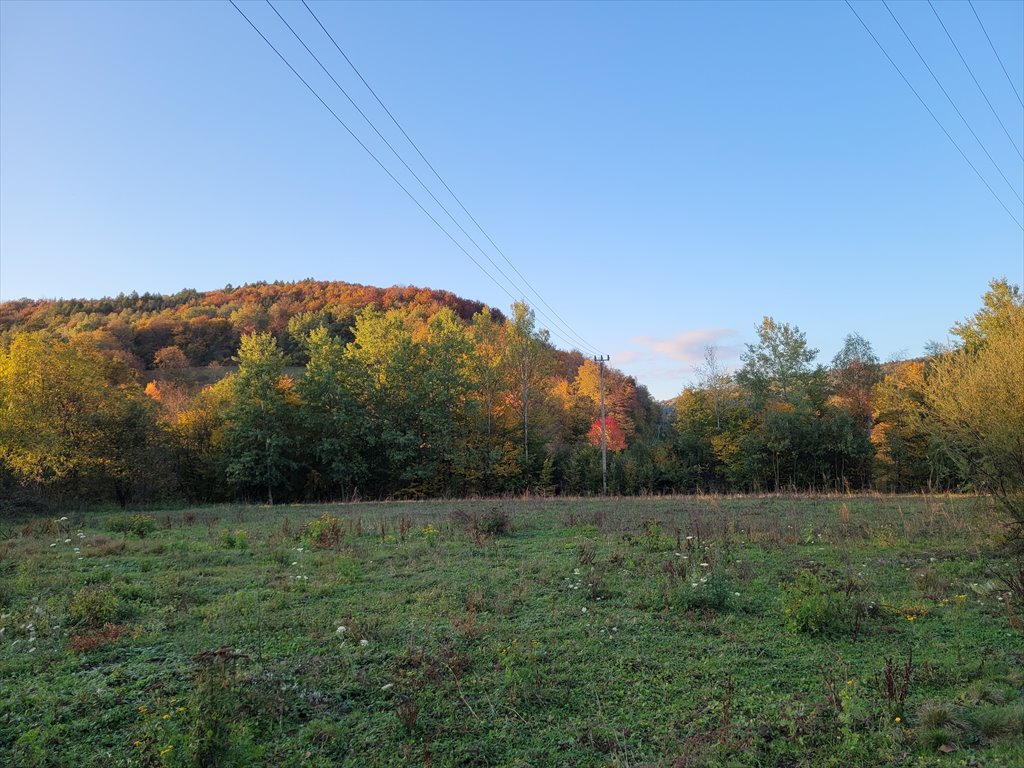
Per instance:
(333,418)
(529,359)
(259,436)
(976,397)
(780,362)
(74,421)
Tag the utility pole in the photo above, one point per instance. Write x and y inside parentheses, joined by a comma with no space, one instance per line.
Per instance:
(601,360)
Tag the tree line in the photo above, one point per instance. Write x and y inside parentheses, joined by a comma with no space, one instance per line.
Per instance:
(420,399)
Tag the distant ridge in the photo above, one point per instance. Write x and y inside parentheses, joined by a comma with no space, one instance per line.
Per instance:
(206,325)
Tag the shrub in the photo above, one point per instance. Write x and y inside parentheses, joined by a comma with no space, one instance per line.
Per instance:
(323,533)
(237,540)
(139,525)
(94,606)
(807,604)
(710,592)
(496,522)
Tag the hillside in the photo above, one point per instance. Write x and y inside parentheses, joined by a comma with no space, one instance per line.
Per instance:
(206,326)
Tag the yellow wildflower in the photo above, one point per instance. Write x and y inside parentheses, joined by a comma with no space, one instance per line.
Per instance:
(166,749)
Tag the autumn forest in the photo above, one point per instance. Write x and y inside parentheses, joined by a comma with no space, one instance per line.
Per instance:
(315,391)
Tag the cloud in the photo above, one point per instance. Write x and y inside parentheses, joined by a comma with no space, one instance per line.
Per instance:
(666,365)
(688,346)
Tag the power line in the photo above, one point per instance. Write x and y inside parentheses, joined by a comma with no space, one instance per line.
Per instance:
(998,57)
(455,197)
(404,163)
(375,158)
(952,104)
(982,90)
(928,109)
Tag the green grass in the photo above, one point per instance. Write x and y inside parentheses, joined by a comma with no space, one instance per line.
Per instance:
(686,631)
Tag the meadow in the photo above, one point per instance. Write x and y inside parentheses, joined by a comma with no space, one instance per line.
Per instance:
(688,631)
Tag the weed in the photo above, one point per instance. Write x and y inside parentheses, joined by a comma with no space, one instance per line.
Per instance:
(237,540)
(87,641)
(94,607)
(894,683)
(807,604)
(496,522)
(323,533)
(138,525)
(408,712)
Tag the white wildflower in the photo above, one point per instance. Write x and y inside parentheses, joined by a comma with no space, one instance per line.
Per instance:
(364,642)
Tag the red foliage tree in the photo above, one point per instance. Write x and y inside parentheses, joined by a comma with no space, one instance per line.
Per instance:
(614,437)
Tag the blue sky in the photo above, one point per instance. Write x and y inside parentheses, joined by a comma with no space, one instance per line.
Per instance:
(663,174)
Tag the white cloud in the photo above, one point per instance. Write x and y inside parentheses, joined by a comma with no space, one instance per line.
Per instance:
(667,365)
(688,346)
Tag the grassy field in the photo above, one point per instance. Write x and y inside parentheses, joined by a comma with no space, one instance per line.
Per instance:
(690,631)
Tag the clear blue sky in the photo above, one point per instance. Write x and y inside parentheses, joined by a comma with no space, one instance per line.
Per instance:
(664,174)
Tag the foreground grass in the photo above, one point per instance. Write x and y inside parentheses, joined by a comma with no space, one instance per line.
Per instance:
(713,631)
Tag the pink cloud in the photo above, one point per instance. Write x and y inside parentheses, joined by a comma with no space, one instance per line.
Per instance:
(688,346)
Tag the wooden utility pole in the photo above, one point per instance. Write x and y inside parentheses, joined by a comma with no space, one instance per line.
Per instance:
(604,442)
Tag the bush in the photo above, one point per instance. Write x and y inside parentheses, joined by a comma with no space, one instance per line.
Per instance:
(237,540)
(139,525)
(710,592)
(496,522)
(94,607)
(807,604)
(323,533)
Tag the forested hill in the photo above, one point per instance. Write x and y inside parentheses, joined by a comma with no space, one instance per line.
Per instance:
(207,326)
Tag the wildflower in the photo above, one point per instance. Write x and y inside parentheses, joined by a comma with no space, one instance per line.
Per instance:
(340,631)
(899,719)
(736,594)
(54,544)
(851,682)
(67,541)
(142,709)
(180,710)
(63,519)
(364,642)
(166,749)
(584,610)
(167,717)
(911,617)
(296,562)
(703,565)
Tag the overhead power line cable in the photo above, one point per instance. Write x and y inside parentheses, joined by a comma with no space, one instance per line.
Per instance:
(377,160)
(401,159)
(953,104)
(937,122)
(982,90)
(430,165)
(998,57)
